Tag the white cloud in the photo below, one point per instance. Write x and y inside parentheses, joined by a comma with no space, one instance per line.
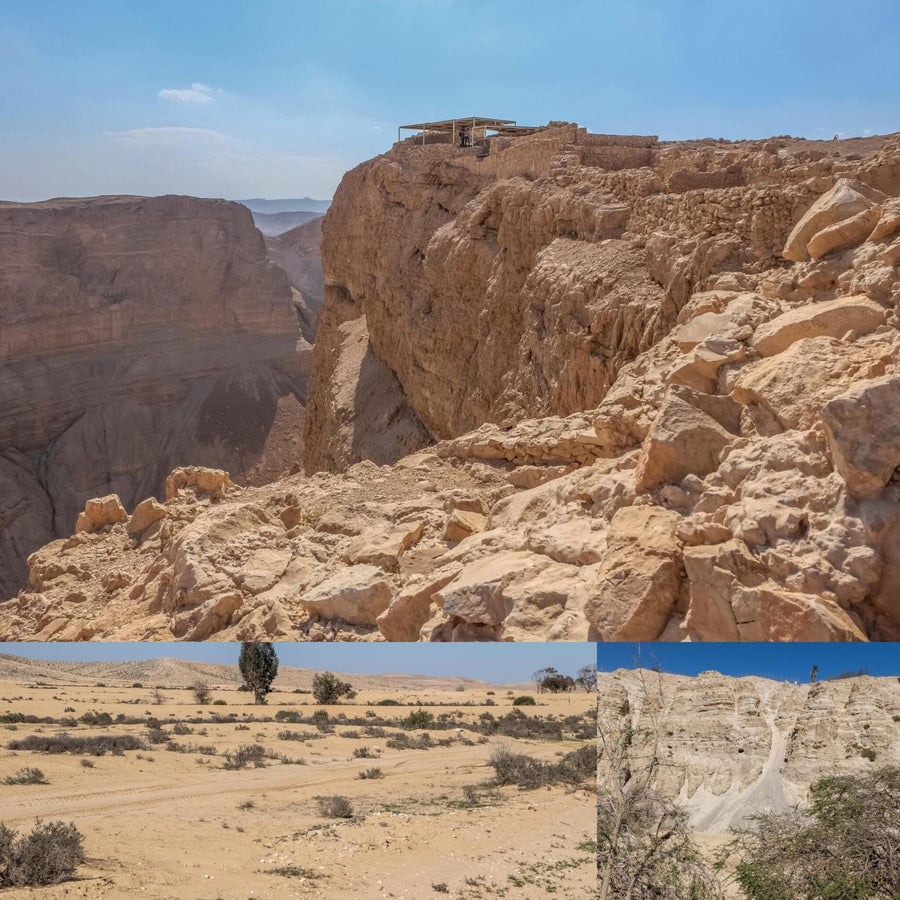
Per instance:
(196,93)
(170,135)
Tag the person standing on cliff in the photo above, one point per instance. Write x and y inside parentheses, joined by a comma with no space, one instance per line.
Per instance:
(463,137)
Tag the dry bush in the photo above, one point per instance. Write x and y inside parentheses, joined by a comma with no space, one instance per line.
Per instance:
(245,755)
(65,743)
(335,807)
(49,855)
(28,775)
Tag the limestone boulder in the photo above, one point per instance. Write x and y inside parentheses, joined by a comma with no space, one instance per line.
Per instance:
(357,594)
(462,523)
(383,546)
(638,583)
(100,513)
(863,426)
(845,200)
(832,318)
(843,234)
(145,514)
(411,608)
(683,440)
(211,482)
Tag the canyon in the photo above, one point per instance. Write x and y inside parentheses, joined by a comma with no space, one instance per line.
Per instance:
(576,387)
(731,747)
(137,334)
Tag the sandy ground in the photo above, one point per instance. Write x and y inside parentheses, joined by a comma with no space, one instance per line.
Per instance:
(163,824)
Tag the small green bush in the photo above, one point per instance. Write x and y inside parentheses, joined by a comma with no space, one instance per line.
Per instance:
(371,773)
(420,718)
(245,755)
(524,700)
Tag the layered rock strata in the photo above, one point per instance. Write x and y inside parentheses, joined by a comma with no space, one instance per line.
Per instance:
(732,747)
(137,334)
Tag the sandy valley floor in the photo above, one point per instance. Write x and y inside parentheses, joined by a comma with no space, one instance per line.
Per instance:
(165,824)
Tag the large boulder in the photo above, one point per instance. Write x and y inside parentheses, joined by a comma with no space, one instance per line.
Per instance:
(356,594)
(848,198)
(639,580)
(833,318)
(863,426)
(99,513)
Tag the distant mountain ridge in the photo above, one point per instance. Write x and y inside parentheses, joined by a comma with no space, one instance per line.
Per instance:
(303,204)
(271,224)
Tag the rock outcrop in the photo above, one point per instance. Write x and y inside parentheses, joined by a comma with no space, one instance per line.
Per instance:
(663,425)
(731,747)
(137,334)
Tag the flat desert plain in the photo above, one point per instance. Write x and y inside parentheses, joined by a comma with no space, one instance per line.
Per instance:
(169,820)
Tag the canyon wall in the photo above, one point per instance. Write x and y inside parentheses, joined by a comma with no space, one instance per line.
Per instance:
(581,387)
(731,747)
(138,334)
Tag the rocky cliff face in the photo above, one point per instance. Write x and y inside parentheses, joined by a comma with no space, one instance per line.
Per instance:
(731,747)
(664,375)
(137,334)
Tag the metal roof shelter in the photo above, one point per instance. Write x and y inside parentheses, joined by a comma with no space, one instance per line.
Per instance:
(452,127)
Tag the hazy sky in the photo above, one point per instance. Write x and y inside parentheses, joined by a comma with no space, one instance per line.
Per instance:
(277,98)
(788,662)
(499,663)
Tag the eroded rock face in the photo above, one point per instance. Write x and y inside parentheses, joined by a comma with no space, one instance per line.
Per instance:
(608,343)
(137,334)
(732,747)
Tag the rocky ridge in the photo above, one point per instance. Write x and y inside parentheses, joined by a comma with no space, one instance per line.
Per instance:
(730,747)
(137,334)
(663,375)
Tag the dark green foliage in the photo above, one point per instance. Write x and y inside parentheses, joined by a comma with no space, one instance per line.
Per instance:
(524,700)
(844,846)
(259,666)
(328,689)
(420,718)
(529,773)
(49,855)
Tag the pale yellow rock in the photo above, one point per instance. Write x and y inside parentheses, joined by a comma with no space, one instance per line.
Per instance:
(833,318)
(843,234)
(847,198)
(863,427)
(213,482)
(383,547)
(356,594)
(145,514)
(101,513)
(639,580)
(463,523)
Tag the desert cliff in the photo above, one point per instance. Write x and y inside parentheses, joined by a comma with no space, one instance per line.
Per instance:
(138,334)
(731,747)
(577,387)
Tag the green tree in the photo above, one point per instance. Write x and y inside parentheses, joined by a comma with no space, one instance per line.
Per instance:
(844,846)
(259,666)
(328,689)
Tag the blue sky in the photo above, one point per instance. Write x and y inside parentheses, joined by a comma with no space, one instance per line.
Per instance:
(278,98)
(498,663)
(785,662)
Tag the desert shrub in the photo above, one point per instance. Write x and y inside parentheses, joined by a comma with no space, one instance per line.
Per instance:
(328,689)
(335,807)
(524,700)
(49,855)
(201,692)
(137,684)
(388,703)
(219,703)
(65,743)
(419,718)
(96,719)
(181,729)
(577,766)
(89,763)
(245,755)
(28,775)
(362,753)
(403,741)
(298,735)
(517,768)
(290,716)
(371,773)
(158,736)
